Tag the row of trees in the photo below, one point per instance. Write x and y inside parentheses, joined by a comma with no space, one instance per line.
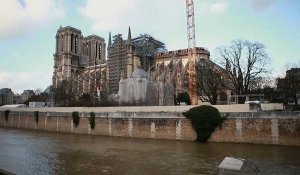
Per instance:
(246,70)
(66,94)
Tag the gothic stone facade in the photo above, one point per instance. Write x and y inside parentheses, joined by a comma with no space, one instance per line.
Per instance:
(172,67)
(80,59)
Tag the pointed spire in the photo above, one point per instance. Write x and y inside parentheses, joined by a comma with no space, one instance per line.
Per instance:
(129,37)
(109,40)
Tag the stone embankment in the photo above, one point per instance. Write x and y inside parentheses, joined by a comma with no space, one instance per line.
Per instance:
(266,127)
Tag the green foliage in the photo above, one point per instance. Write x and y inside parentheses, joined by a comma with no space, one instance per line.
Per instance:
(75,117)
(204,120)
(6,113)
(184,97)
(36,116)
(92,120)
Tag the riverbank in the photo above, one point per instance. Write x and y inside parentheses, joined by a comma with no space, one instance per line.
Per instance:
(221,108)
(30,152)
(269,127)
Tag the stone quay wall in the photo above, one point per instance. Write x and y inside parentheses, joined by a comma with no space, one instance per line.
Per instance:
(272,127)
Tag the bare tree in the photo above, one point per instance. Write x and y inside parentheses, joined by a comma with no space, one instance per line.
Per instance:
(245,61)
(210,81)
(66,92)
(259,83)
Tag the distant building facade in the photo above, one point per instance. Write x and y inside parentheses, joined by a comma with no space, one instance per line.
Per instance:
(172,67)
(18,99)
(289,86)
(6,96)
(26,95)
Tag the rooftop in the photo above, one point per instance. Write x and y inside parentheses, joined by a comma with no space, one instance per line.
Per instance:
(181,52)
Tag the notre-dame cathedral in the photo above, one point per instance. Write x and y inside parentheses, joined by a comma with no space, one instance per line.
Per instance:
(82,59)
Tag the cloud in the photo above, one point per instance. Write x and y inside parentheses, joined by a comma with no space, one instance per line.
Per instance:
(218,8)
(261,5)
(156,17)
(165,20)
(19,81)
(112,13)
(20,17)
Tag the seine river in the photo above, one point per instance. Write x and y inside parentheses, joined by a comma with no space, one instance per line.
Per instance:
(29,152)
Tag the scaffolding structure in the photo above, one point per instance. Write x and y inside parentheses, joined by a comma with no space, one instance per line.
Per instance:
(146,48)
(117,63)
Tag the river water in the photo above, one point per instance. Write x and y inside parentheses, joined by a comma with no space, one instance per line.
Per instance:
(29,152)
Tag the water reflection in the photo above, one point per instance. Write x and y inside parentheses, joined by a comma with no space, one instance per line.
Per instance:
(27,152)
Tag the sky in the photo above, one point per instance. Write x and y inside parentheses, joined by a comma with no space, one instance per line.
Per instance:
(28,29)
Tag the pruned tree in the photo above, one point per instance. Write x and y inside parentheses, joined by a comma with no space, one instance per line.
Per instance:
(146,47)
(244,61)
(210,80)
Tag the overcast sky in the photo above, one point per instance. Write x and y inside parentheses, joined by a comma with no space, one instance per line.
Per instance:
(28,28)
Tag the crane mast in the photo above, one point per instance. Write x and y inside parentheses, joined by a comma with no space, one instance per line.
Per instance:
(191,52)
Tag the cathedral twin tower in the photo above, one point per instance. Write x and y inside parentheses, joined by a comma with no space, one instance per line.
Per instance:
(82,61)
